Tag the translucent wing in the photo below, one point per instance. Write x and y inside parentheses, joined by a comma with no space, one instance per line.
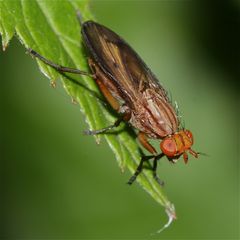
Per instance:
(120,62)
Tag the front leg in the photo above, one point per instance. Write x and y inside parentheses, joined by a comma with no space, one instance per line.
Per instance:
(144,142)
(155,162)
(139,169)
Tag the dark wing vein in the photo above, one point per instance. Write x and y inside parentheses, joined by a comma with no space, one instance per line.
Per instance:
(120,62)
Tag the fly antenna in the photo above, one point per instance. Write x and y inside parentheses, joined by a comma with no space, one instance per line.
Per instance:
(204,154)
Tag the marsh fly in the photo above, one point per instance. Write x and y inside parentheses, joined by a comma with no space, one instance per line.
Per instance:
(134,92)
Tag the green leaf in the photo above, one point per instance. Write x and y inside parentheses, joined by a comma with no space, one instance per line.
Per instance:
(52,29)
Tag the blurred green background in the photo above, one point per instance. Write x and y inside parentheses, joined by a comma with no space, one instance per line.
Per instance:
(57,183)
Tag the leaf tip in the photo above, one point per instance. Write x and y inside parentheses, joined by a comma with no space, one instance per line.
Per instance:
(170,210)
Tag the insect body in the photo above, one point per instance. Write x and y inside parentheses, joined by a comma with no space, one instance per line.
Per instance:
(132,90)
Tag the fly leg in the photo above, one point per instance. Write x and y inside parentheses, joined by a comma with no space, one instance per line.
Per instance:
(113,102)
(144,142)
(139,169)
(155,162)
(125,112)
(58,67)
(106,129)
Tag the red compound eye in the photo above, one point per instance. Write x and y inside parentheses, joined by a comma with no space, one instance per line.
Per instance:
(168,147)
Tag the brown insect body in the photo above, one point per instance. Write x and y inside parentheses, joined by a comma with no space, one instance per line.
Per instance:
(132,89)
(127,77)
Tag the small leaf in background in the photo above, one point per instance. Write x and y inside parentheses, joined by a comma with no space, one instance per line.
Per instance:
(52,29)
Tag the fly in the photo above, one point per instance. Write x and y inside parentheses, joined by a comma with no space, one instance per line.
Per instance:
(134,92)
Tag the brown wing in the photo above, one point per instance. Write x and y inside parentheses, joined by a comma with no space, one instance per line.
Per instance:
(120,62)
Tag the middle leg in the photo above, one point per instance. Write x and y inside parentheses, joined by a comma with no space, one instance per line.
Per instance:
(106,129)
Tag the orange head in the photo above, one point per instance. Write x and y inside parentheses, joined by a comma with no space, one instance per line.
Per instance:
(173,146)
